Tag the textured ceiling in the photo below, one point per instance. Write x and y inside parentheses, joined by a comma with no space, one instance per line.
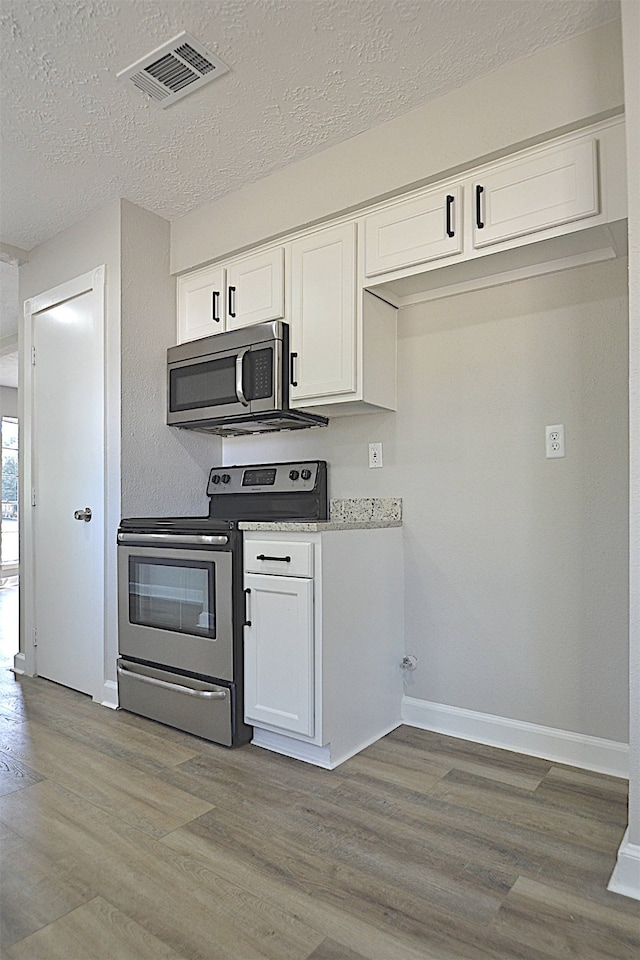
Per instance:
(304,74)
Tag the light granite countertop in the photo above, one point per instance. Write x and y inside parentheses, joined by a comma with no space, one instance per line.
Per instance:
(358,514)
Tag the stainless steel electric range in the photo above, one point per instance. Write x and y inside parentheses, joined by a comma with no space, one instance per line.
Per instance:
(181,602)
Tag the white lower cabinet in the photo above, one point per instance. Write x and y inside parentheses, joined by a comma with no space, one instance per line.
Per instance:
(324,640)
(278,653)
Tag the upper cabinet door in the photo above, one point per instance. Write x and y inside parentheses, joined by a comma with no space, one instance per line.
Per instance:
(201,303)
(323,313)
(533,193)
(414,231)
(255,289)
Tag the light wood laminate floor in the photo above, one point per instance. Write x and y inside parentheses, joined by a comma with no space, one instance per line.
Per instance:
(126,840)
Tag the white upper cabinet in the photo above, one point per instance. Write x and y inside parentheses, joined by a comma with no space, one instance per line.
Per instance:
(255,288)
(543,209)
(230,295)
(522,196)
(323,313)
(414,231)
(201,303)
(551,206)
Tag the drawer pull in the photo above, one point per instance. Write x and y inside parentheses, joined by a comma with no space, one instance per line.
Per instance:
(247,621)
(261,556)
(479,220)
(175,687)
(450,230)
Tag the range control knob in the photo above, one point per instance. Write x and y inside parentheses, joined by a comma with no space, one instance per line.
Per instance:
(306,474)
(293,474)
(225,478)
(215,478)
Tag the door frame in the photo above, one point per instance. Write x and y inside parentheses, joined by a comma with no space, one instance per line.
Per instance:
(25,661)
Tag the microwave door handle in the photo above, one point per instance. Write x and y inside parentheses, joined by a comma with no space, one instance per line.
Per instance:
(239,381)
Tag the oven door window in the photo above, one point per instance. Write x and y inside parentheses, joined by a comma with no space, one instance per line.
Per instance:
(176,595)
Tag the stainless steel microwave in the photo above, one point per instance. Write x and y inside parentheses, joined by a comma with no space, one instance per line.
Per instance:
(235,383)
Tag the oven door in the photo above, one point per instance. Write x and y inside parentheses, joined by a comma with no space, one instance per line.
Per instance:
(175,606)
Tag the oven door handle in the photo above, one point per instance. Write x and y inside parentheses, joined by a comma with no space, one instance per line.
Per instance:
(173,539)
(239,378)
(176,687)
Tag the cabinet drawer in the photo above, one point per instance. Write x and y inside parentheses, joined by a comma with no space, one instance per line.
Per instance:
(283,558)
(203,709)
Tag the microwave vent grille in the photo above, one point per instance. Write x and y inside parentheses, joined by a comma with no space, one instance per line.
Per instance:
(174,70)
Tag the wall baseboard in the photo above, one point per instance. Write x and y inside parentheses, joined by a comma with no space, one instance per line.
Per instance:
(19,664)
(625,878)
(289,747)
(325,756)
(109,696)
(561,746)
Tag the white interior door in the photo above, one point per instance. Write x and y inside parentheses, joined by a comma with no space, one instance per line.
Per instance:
(68,475)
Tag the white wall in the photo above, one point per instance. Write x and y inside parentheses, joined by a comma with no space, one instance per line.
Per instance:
(8,402)
(516,587)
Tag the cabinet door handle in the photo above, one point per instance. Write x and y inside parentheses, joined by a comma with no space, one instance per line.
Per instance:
(232,301)
(261,556)
(479,192)
(450,200)
(215,299)
(247,594)
(294,382)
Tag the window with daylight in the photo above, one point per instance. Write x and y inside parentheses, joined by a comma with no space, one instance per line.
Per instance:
(10,522)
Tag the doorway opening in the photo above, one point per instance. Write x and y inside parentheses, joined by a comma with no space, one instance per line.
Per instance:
(9,540)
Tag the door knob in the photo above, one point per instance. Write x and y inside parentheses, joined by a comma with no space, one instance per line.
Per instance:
(83,514)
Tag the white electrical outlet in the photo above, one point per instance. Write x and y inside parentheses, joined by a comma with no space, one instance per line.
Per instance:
(375,455)
(554,440)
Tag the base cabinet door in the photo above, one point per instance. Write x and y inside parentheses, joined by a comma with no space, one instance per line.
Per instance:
(279,653)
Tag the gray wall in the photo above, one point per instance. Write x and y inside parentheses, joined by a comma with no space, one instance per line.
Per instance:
(8,402)
(516,566)
(164,470)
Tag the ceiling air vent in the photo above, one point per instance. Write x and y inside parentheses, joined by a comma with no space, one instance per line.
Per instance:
(173,70)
